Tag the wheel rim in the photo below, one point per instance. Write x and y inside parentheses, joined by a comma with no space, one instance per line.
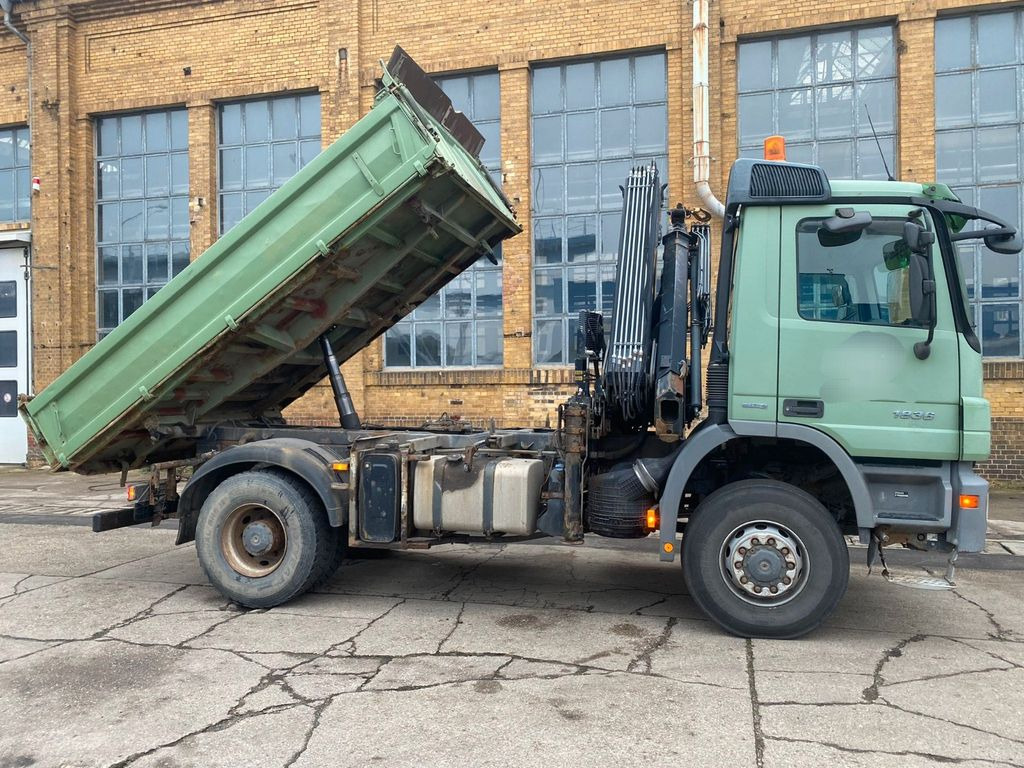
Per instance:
(764,563)
(253,540)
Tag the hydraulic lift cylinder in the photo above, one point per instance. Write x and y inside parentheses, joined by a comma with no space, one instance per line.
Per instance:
(346,410)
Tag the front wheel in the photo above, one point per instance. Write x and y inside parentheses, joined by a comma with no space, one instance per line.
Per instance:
(765,559)
(263,538)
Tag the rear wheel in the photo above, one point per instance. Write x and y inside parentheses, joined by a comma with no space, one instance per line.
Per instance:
(263,538)
(765,559)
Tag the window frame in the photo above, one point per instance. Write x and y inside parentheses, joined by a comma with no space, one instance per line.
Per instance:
(19,171)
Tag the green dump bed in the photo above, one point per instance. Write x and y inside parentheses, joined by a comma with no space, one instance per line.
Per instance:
(382,219)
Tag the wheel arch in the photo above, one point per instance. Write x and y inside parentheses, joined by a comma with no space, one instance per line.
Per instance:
(307,461)
(703,441)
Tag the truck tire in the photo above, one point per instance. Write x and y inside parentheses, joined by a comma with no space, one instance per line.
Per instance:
(263,538)
(765,559)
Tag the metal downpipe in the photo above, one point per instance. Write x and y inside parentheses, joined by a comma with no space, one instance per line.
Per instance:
(701,117)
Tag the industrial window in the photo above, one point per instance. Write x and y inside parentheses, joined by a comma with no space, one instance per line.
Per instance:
(817,91)
(592,121)
(8,298)
(15,198)
(261,145)
(142,220)
(979,152)
(860,277)
(461,324)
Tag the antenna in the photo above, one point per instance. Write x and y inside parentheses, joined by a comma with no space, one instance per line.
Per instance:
(878,144)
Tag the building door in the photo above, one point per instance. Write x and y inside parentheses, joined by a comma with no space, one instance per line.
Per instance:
(14,354)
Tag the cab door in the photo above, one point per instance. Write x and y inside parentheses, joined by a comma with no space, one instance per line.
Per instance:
(846,338)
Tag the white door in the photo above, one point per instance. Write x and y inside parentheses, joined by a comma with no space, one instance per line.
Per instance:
(14,352)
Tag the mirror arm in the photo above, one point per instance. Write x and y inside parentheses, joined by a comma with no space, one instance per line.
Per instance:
(980,233)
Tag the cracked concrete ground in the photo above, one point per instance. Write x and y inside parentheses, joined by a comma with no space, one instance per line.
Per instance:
(114,651)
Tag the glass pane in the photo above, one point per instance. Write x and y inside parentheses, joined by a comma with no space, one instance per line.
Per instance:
(157,139)
(581,238)
(256,120)
(879,100)
(179,217)
(755,118)
(755,66)
(1000,275)
(108,222)
(650,77)
(954,157)
(582,287)
(581,188)
(458,296)
(396,346)
(309,115)
(547,241)
(107,309)
(257,166)
(131,264)
(613,176)
(795,153)
(580,86)
(869,161)
(875,54)
(615,132)
(132,220)
(108,265)
(458,343)
(610,225)
(486,97)
(131,177)
(231,169)
(457,89)
(156,262)
(131,300)
(833,57)
(650,130)
(179,129)
(794,62)
(179,257)
(997,154)
(158,177)
(835,111)
(285,162)
(22,193)
(158,219)
(614,75)
(430,309)
(997,96)
(490,155)
(1000,330)
(106,136)
(952,44)
(9,298)
(428,343)
(253,199)
(547,139)
(547,190)
(6,149)
(131,135)
(7,195)
(607,295)
(996,35)
(284,118)
(108,176)
(488,292)
(953,100)
(230,211)
(547,342)
(231,124)
(308,150)
(794,109)
(489,342)
(179,174)
(546,94)
(548,292)
(22,148)
(581,136)
(1004,202)
(965,259)
(836,158)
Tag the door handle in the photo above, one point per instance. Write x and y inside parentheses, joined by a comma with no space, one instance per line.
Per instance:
(808,409)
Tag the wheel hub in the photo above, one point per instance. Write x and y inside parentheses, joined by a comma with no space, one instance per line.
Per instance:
(253,540)
(764,562)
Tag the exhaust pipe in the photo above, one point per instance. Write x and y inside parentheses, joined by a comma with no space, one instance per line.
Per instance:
(701,118)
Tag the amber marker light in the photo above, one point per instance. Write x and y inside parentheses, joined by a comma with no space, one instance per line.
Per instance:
(131,493)
(969,501)
(340,466)
(775,148)
(652,518)
(669,546)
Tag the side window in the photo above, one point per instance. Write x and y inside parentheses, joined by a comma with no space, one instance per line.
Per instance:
(858,277)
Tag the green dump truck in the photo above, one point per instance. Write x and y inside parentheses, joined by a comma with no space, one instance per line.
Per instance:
(842,394)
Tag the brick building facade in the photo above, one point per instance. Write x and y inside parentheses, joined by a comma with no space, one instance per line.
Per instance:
(92,60)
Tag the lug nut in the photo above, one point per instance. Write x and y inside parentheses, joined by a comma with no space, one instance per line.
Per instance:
(757,590)
(755,541)
(790,566)
(743,579)
(785,550)
(787,581)
(738,565)
(774,590)
(771,542)
(742,550)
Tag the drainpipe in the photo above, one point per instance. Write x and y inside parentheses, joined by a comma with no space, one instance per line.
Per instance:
(701,106)
(7,6)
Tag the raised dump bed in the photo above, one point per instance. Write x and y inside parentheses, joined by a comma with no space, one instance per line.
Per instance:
(382,219)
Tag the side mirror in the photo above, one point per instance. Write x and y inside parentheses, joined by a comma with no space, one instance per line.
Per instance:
(922,288)
(917,238)
(1007,244)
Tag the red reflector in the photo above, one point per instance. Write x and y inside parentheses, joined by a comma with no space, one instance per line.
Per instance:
(969,501)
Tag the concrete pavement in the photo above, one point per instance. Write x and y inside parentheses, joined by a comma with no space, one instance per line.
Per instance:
(114,651)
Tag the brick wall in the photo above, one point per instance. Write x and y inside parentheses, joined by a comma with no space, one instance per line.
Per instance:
(95,57)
